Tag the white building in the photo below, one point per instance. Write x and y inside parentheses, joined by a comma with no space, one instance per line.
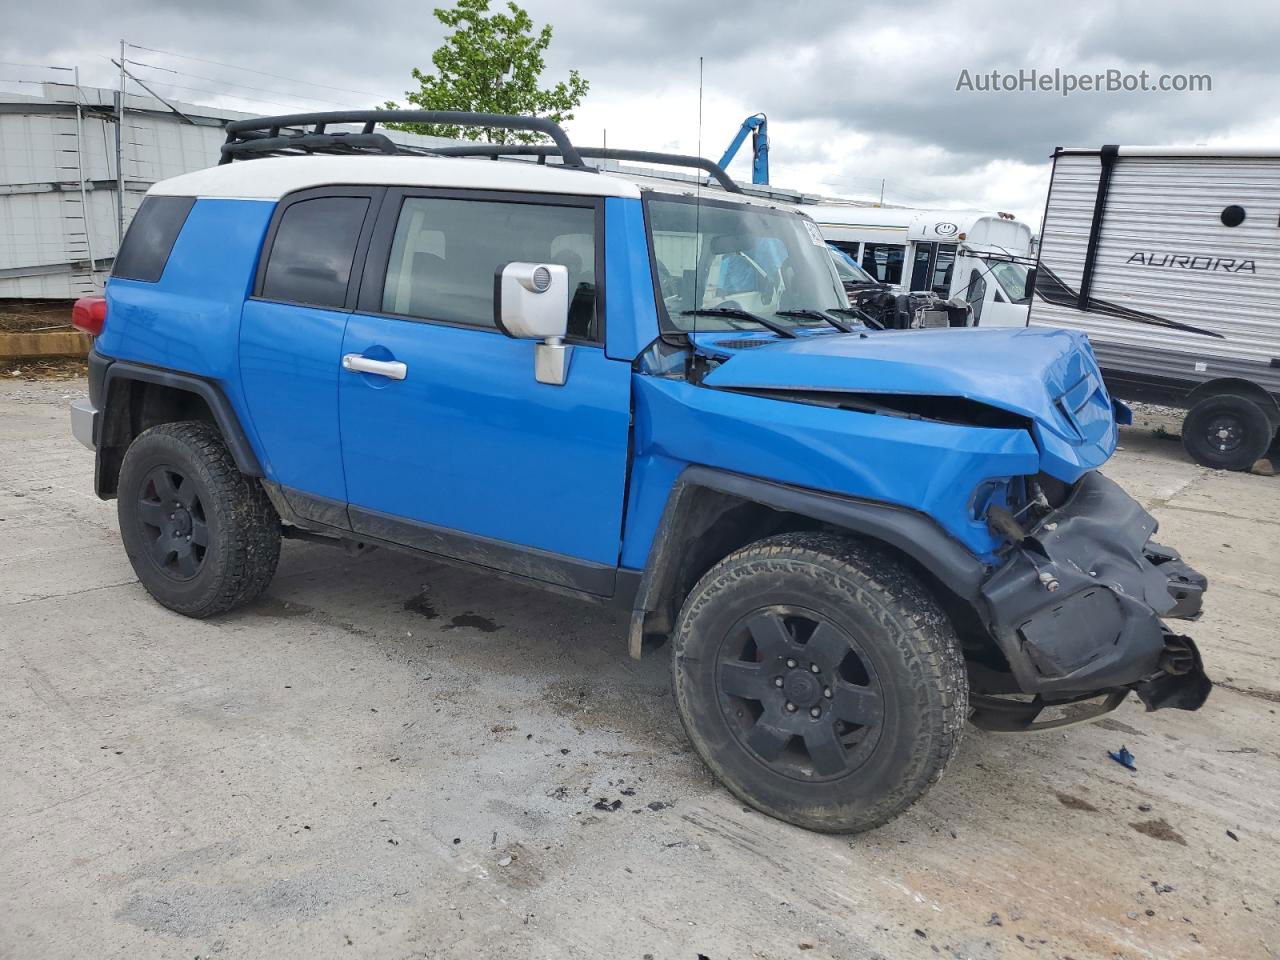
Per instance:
(60,216)
(59,180)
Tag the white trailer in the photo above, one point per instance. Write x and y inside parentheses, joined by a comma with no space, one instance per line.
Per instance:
(984,258)
(1169,259)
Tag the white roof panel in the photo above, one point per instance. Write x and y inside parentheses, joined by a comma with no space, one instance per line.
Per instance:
(1197,151)
(270,178)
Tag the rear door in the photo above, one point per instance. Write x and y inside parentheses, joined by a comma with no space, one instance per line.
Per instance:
(291,332)
(468,455)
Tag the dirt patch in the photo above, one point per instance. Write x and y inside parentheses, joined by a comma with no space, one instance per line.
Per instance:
(1160,829)
(1107,723)
(421,604)
(34,316)
(269,606)
(1074,803)
(475,622)
(1269,695)
(45,368)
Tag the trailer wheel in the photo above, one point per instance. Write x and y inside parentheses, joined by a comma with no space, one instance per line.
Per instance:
(819,680)
(1227,432)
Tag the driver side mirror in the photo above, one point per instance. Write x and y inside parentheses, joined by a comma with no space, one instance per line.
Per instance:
(531,302)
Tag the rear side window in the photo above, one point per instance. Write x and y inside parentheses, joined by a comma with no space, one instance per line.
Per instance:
(315,242)
(151,237)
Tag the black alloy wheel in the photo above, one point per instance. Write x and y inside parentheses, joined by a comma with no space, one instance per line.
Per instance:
(798,694)
(172,517)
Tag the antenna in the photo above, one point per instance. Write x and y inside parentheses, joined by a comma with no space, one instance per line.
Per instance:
(697,212)
(699,150)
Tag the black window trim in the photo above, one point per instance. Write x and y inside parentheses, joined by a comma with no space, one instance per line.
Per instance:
(188,202)
(378,257)
(375,197)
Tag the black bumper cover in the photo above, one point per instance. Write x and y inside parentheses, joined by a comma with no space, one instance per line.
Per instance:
(1078,607)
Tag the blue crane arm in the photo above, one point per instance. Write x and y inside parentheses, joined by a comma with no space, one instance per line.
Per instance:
(758,126)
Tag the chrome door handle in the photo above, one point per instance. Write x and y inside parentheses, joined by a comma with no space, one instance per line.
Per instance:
(393,369)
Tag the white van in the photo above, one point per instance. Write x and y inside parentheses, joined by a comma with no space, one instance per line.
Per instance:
(981,257)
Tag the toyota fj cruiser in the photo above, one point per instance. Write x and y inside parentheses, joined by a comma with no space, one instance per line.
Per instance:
(641,392)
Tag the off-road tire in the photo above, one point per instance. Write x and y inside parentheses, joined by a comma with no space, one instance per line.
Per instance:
(240,525)
(859,591)
(1249,432)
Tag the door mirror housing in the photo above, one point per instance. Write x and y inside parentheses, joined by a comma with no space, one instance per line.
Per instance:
(531,302)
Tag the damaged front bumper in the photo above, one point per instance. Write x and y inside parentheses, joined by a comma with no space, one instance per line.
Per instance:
(1077,610)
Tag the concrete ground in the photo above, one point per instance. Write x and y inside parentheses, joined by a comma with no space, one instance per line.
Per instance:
(390,758)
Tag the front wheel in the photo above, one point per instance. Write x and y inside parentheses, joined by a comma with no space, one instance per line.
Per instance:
(819,680)
(202,537)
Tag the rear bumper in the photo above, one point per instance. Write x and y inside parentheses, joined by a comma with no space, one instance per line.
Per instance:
(1078,608)
(84,422)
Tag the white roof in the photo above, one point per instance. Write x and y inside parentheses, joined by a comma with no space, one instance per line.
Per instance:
(840,214)
(915,219)
(1201,151)
(270,178)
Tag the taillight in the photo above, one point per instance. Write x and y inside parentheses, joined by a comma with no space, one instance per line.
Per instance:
(90,315)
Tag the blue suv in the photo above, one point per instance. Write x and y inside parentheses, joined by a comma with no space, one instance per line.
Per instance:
(637,391)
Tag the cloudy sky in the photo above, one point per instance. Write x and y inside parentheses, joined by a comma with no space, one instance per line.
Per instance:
(855,94)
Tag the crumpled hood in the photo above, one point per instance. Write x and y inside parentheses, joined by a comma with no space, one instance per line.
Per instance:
(1048,376)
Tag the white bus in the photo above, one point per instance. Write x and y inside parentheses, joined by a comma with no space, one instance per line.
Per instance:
(983,258)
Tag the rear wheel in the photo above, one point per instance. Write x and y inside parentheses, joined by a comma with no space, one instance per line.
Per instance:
(819,681)
(202,537)
(1227,432)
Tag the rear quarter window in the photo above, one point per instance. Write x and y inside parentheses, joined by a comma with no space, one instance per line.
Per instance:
(311,254)
(151,237)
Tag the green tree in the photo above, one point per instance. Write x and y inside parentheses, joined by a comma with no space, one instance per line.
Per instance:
(491,63)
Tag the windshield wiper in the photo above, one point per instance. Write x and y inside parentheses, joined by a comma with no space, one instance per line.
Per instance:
(778,328)
(860,315)
(818,315)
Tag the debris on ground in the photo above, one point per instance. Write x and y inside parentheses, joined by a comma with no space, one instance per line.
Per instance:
(1123,757)
(1263,468)
(608,807)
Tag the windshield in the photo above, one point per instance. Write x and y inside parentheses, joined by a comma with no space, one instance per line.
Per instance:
(1012,277)
(848,269)
(714,254)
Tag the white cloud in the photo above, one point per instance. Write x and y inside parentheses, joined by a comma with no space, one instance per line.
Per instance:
(854,94)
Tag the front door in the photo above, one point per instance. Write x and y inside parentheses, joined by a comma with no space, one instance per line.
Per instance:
(460,451)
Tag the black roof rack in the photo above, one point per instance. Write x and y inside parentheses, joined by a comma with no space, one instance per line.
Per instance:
(496,150)
(269,136)
(280,136)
